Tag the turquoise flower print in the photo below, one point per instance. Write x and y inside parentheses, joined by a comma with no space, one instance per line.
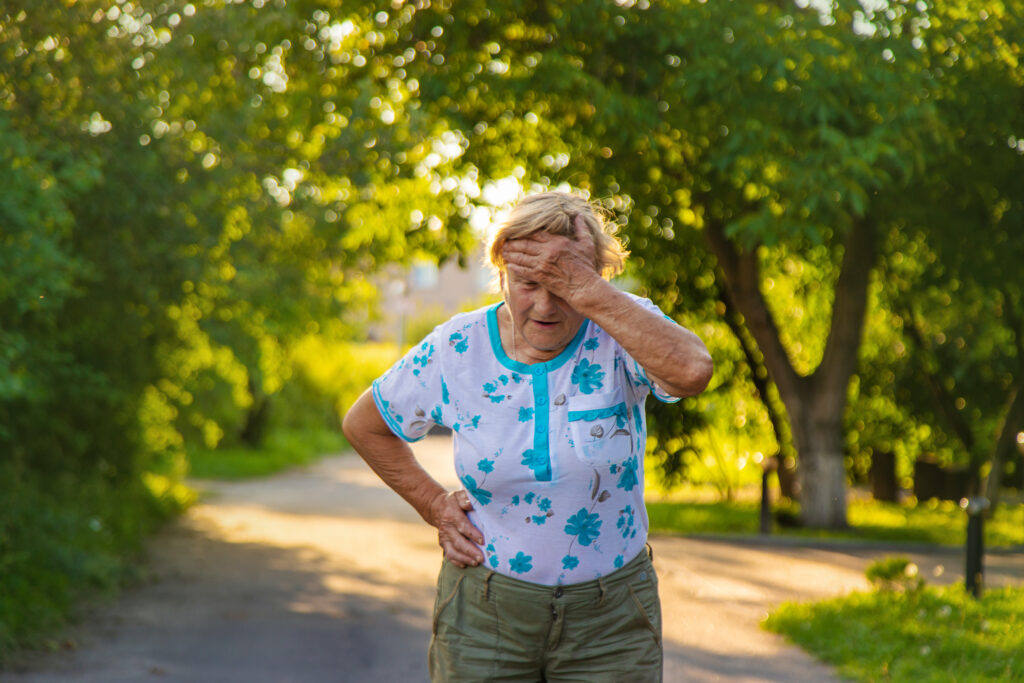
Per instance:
(626,520)
(588,376)
(444,393)
(435,414)
(482,495)
(538,462)
(591,344)
(492,556)
(490,389)
(544,504)
(584,526)
(619,559)
(493,560)
(539,519)
(627,475)
(515,500)
(422,360)
(570,562)
(486,466)
(525,414)
(529,497)
(520,564)
(476,421)
(459,342)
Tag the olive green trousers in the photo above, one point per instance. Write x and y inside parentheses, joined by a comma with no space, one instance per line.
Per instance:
(491,627)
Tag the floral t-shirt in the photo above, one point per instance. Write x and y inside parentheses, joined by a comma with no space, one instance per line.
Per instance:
(551,453)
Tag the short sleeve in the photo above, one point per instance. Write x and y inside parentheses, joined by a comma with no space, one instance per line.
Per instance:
(636,373)
(408,395)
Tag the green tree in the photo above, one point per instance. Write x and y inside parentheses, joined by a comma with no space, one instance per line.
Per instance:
(958,295)
(737,139)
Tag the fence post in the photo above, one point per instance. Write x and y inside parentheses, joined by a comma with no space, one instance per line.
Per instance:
(975,508)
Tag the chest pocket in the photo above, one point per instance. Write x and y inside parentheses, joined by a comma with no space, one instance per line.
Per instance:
(600,426)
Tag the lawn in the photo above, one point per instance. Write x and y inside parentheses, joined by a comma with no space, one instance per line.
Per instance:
(929,634)
(282,449)
(942,523)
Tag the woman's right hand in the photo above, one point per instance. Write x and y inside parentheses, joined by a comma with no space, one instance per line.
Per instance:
(455,533)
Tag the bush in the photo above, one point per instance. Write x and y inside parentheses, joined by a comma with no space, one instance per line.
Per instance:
(64,538)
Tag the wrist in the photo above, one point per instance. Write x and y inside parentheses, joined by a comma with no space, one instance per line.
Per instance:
(434,507)
(591,295)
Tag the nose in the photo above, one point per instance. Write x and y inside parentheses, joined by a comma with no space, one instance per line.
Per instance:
(544,302)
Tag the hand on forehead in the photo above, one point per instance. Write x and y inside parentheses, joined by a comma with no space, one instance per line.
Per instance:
(557,262)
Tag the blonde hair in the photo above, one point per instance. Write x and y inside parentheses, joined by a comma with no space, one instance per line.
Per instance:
(555,212)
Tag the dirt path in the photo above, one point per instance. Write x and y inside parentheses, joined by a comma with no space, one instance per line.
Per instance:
(322,574)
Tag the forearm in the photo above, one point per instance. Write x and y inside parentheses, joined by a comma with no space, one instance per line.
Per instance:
(391,458)
(673,356)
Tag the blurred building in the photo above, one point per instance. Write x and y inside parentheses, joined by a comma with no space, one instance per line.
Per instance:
(415,299)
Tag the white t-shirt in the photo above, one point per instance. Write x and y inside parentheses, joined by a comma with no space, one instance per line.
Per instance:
(551,453)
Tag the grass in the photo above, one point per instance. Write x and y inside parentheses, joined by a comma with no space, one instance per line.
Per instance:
(930,634)
(942,523)
(282,449)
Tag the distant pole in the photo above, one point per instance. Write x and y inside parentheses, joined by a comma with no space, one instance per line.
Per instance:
(974,572)
(769,465)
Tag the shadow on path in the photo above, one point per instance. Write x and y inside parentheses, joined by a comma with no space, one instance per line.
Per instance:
(236,611)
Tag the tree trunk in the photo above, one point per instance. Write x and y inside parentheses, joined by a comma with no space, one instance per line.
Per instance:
(818,437)
(256,417)
(1013,419)
(815,404)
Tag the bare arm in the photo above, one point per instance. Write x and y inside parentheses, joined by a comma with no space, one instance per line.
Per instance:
(393,461)
(673,357)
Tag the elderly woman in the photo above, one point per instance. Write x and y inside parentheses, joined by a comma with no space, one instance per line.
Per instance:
(546,574)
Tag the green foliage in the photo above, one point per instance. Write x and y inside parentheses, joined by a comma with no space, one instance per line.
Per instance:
(934,634)
(62,538)
(339,370)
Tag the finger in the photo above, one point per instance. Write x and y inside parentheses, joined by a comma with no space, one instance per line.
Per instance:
(580,225)
(467,530)
(464,501)
(459,549)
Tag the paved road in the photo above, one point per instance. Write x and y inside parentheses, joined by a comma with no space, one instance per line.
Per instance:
(321,575)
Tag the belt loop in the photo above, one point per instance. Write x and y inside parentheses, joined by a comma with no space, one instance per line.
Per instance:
(650,552)
(487,586)
(600,583)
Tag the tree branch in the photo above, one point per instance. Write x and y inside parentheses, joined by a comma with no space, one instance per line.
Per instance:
(839,361)
(742,277)
(776,414)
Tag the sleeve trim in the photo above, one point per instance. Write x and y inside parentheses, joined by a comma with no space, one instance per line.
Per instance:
(388,419)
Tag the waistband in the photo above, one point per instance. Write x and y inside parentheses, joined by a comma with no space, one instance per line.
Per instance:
(490,578)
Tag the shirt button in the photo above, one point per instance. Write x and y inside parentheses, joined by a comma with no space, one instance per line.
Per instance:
(538,371)
(542,400)
(539,429)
